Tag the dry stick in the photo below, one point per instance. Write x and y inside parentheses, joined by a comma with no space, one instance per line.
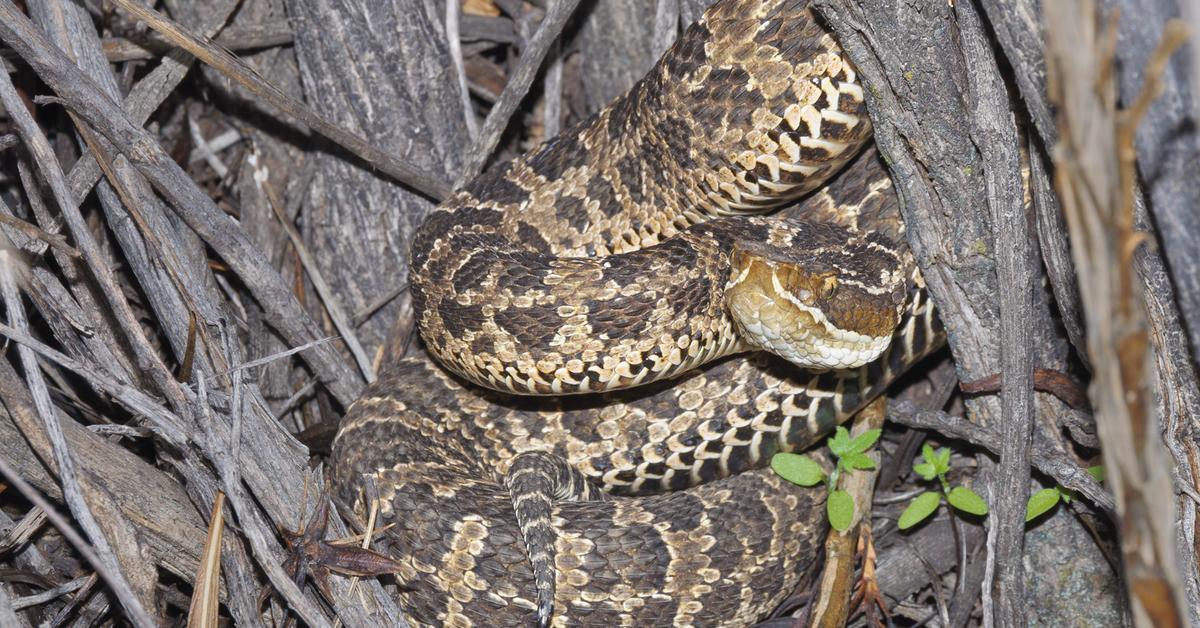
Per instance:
(552,89)
(1055,464)
(206,592)
(50,594)
(19,533)
(252,523)
(160,240)
(207,155)
(552,97)
(369,309)
(666,26)
(135,613)
(837,581)
(244,75)
(39,147)
(454,46)
(37,206)
(249,37)
(214,145)
(341,321)
(279,355)
(43,155)
(129,189)
(168,426)
(99,337)
(137,217)
(72,492)
(1056,251)
(1095,181)
(68,609)
(58,241)
(147,94)
(36,240)
(518,86)
(8,615)
(996,136)
(67,319)
(198,210)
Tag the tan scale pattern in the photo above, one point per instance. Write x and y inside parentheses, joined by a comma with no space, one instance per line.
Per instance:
(439,458)
(594,263)
(600,261)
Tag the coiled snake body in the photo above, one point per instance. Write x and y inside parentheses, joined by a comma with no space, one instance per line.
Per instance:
(611,260)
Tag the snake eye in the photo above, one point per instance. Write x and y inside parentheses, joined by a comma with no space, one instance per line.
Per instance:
(827,286)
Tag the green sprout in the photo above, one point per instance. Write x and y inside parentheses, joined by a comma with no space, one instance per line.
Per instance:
(1044,500)
(850,454)
(935,466)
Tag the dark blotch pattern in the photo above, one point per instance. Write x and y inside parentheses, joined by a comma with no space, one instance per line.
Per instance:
(439,450)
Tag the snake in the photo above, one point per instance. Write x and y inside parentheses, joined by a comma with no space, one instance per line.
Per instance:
(623,326)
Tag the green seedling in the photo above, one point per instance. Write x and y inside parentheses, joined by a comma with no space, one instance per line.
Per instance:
(936,465)
(1046,499)
(850,454)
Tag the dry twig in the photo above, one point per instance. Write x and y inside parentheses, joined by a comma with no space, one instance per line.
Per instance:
(837,581)
(245,76)
(1095,179)
(517,88)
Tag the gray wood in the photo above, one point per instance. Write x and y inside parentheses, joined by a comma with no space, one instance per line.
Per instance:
(71,27)
(196,208)
(244,427)
(691,10)
(383,70)
(519,82)
(171,532)
(616,42)
(1168,145)
(995,134)
(930,127)
(1017,24)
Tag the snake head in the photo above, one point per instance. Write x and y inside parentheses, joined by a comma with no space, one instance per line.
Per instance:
(818,295)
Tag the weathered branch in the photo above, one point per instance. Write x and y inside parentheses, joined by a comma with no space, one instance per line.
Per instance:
(233,67)
(1094,177)
(196,208)
(517,88)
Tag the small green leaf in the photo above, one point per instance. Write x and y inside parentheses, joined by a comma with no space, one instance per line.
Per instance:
(925,470)
(840,507)
(797,469)
(858,461)
(919,509)
(967,501)
(839,444)
(865,441)
(1097,472)
(943,460)
(1040,503)
(929,455)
